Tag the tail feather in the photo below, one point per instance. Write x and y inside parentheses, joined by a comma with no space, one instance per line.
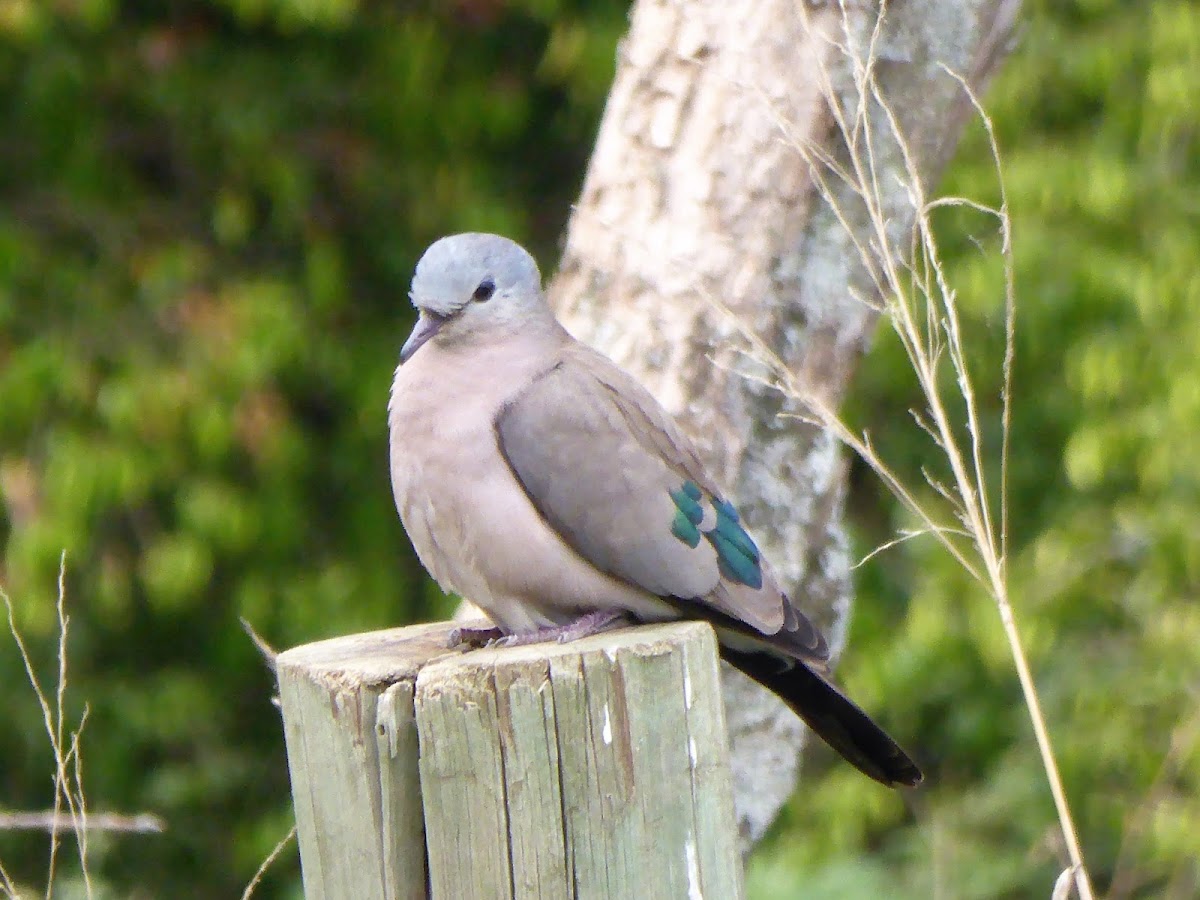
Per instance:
(791,663)
(832,715)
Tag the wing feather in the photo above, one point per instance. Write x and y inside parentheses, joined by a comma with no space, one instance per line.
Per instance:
(611,473)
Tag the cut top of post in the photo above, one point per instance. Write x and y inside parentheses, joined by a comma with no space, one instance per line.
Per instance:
(594,768)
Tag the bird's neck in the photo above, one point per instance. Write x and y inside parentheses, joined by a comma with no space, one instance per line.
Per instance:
(488,371)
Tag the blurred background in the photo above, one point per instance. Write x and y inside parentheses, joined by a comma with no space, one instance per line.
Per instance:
(209,214)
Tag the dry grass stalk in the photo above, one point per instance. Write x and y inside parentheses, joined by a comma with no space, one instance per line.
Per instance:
(916,298)
(68,761)
(266,863)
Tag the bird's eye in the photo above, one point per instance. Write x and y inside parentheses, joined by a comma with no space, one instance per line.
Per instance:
(484,292)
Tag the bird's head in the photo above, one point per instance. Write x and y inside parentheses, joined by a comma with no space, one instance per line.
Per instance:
(472,287)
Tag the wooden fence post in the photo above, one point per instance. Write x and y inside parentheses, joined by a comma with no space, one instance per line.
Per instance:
(597,768)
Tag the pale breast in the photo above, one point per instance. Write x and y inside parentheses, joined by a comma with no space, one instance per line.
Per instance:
(467,516)
(440,436)
(448,479)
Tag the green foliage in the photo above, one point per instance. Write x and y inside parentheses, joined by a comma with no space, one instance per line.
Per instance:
(1096,122)
(209,213)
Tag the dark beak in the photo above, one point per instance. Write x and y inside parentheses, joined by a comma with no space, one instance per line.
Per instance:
(427,326)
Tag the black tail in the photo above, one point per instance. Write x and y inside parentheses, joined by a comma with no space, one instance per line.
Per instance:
(832,715)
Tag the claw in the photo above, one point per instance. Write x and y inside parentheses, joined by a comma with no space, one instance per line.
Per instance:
(588,624)
(473,638)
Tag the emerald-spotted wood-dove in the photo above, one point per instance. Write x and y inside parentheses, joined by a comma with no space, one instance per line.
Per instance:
(540,481)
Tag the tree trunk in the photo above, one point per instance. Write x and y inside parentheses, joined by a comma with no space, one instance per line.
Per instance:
(699,206)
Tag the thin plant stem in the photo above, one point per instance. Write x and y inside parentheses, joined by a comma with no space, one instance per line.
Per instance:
(68,762)
(266,863)
(921,306)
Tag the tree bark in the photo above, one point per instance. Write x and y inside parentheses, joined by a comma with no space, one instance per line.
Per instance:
(699,207)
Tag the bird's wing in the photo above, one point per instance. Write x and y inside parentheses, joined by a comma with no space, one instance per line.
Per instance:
(607,468)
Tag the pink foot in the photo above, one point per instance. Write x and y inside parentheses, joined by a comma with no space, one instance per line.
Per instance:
(585,625)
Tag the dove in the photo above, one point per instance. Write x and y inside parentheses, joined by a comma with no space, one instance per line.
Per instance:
(541,481)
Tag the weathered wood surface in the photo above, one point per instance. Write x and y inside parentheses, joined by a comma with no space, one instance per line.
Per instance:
(597,768)
(352,754)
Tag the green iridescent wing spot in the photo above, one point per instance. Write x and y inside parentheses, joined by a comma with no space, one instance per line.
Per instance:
(730,528)
(687,501)
(737,555)
(688,514)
